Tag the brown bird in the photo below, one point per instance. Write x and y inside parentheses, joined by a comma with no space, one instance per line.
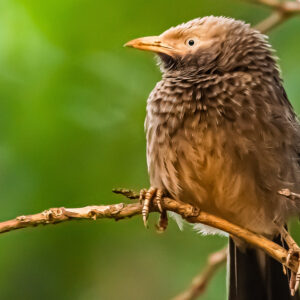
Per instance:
(223,136)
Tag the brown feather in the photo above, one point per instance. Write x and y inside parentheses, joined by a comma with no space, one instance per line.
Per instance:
(221,133)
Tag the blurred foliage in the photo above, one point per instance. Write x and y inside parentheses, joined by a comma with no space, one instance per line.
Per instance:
(72,109)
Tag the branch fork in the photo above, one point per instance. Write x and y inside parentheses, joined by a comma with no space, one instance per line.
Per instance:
(281,11)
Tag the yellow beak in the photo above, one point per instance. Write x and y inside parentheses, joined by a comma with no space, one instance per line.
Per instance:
(153,44)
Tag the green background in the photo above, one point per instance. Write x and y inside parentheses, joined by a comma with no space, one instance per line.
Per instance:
(72,106)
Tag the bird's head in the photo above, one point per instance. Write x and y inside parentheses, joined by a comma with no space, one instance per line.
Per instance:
(206,44)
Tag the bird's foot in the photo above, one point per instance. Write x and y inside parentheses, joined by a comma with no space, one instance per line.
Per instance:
(149,196)
(294,251)
(295,276)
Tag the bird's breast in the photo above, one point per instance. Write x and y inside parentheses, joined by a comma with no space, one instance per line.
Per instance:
(185,140)
(203,148)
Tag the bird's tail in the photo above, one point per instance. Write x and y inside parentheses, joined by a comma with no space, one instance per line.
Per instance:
(253,275)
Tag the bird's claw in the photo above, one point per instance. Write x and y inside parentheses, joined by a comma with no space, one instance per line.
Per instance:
(163,222)
(148,196)
(294,251)
(142,195)
(295,277)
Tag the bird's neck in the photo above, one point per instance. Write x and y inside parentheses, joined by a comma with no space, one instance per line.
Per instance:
(192,76)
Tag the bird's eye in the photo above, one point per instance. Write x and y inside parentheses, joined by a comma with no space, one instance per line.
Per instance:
(191,42)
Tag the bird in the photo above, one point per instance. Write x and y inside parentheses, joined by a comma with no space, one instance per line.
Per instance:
(223,137)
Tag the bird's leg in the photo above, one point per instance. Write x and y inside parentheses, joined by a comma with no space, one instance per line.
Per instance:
(294,250)
(149,196)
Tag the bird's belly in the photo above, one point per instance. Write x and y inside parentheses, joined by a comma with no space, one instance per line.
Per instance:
(211,180)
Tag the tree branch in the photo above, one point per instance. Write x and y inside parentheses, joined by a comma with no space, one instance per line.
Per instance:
(62,214)
(200,282)
(121,211)
(281,12)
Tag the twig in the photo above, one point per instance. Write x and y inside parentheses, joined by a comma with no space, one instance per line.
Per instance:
(130,194)
(61,214)
(200,282)
(281,12)
(121,211)
(272,21)
(287,193)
